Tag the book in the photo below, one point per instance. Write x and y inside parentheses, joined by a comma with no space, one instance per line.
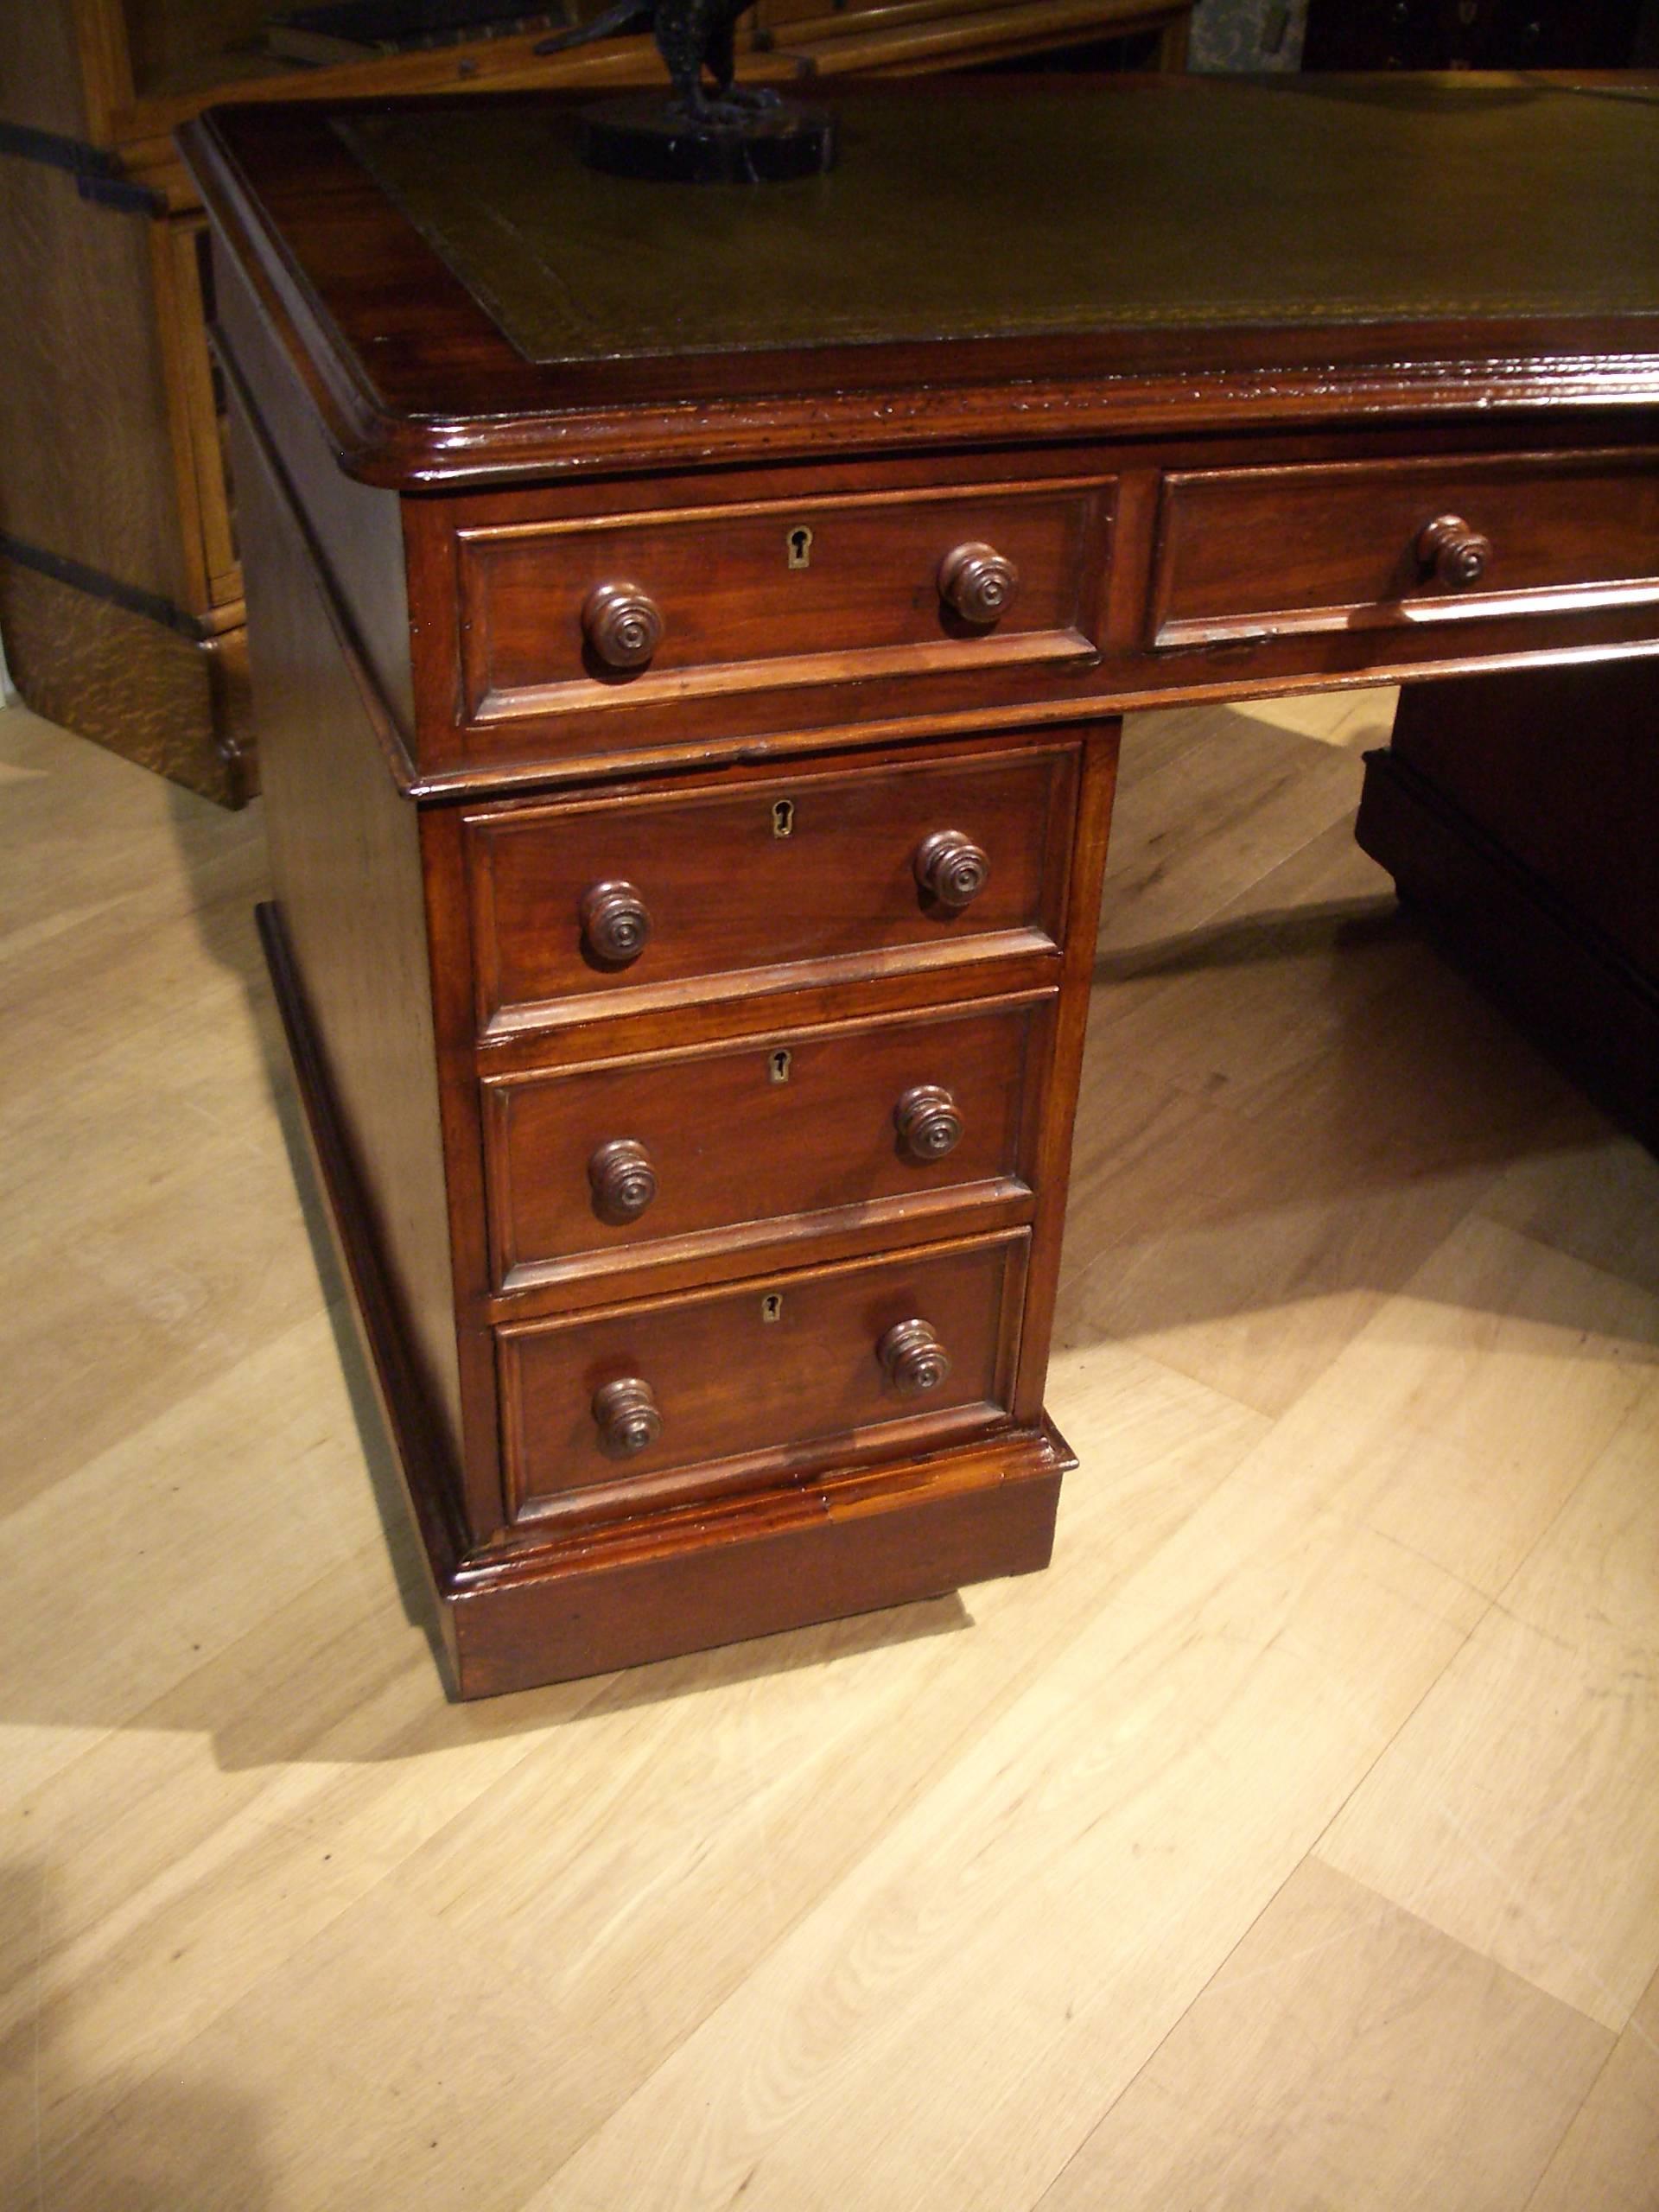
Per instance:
(363,30)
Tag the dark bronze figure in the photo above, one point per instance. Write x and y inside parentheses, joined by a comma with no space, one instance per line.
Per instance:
(692,36)
(709,132)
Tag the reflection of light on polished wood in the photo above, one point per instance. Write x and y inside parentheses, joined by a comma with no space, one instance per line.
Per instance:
(1292,1840)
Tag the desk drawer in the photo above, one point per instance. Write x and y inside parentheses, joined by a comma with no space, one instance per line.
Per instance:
(568,615)
(730,1387)
(1256,553)
(738,884)
(789,1134)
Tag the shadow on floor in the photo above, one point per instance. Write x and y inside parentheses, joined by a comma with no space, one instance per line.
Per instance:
(117,2143)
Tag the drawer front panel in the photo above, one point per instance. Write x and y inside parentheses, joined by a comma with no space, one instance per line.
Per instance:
(1267,552)
(742,882)
(754,1382)
(783,1134)
(773,595)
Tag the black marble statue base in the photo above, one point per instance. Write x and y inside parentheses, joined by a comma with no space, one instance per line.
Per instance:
(646,137)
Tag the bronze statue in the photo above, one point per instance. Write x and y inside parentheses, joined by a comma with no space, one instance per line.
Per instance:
(735,133)
(692,36)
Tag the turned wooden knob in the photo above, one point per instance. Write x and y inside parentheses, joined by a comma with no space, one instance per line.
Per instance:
(979,583)
(624,1181)
(915,1359)
(1458,555)
(615,923)
(623,625)
(951,867)
(927,1121)
(627,1416)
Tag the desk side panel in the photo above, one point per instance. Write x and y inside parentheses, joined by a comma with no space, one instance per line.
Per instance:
(355,533)
(346,867)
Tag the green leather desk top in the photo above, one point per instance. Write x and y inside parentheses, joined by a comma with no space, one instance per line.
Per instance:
(992,210)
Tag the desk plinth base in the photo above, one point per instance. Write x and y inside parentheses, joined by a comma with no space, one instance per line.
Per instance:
(853,1540)
(857,1543)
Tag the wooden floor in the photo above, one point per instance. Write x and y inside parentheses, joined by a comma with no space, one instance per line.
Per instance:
(1292,1843)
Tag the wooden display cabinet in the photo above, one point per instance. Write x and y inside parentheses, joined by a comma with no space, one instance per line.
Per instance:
(120,585)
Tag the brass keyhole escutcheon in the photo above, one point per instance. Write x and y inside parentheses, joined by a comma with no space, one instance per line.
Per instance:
(778,1065)
(783,817)
(772,1307)
(800,547)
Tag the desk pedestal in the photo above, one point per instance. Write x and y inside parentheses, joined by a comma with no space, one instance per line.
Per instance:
(1519,813)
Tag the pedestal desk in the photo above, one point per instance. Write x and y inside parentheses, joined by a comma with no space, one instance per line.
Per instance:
(689,630)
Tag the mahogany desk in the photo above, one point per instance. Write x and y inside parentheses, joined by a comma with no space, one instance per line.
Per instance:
(689,631)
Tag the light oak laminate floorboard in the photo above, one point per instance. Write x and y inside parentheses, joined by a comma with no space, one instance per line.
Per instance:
(1609,2156)
(1279,2090)
(1289,1842)
(1519,1810)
